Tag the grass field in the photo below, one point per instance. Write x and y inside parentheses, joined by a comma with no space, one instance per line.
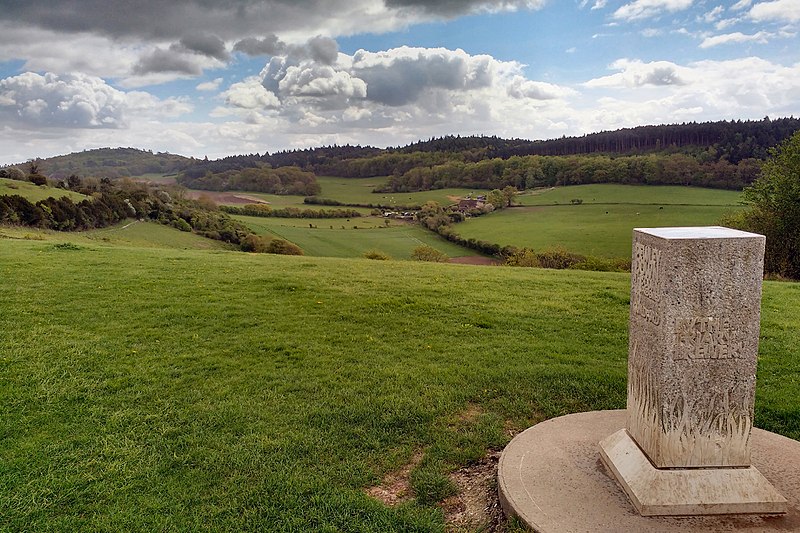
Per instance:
(34,193)
(603,224)
(152,390)
(127,233)
(630,194)
(359,190)
(338,237)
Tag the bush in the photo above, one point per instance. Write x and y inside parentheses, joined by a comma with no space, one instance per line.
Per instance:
(280,246)
(559,258)
(377,255)
(254,243)
(523,258)
(429,253)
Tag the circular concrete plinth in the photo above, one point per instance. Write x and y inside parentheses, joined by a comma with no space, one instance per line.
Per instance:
(552,478)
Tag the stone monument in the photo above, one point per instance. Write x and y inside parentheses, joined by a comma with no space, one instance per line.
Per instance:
(692,355)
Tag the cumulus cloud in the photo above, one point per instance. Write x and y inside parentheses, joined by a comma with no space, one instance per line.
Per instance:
(399,76)
(736,37)
(50,100)
(519,87)
(635,73)
(250,94)
(780,10)
(77,101)
(234,19)
(642,9)
(460,7)
(321,81)
(159,61)
(209,86)
(205,44)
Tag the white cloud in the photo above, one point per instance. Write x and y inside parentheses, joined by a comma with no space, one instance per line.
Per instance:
(66,101)
(736,37)
(250,94)
(713,15)
(642,9)
(741,4)
(209,86)
(780,10)
(634,73)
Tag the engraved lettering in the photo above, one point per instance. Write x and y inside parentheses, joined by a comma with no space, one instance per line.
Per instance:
(704,338)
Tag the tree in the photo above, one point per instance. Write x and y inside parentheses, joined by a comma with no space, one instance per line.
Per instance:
(429,253)
(775,208)
(508,194)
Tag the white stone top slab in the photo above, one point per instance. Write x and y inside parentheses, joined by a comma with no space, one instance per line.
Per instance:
(701,232)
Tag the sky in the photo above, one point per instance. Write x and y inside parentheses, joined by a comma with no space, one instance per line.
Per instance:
(202,78)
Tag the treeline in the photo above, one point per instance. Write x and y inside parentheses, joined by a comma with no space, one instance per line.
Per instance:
(284,180)
(316,200)
(261,210)
(112,163)
(528,172)
(117,201)
(707,142)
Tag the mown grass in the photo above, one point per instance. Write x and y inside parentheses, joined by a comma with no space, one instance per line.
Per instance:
(601,226)
(34,193)
(341,237)
(629,194)
(147,389)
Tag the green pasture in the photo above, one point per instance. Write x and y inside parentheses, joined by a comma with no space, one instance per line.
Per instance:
(338,237)
(599,230)
(34,193)
(602,225)
(169,390)
(359,190)
(129,233)
(629,194)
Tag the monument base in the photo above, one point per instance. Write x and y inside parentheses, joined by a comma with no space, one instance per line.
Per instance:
(551,477)
(688,491)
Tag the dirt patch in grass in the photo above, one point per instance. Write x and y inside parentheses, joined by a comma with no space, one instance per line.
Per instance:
(396,486)
(475,260)
(476,507)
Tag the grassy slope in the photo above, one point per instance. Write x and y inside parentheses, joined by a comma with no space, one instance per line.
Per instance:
(34,193)
(630,194)
(126,233)
(147,390)
(602,225)
(342,240)
(359,190)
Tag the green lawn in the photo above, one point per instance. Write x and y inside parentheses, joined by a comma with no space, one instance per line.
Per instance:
(34,193)
(152,390)
(339,238)
(603,224)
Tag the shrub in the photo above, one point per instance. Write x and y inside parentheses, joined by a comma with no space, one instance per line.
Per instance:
(429,253)
(559,258)
(254,243)
(377,255)
(280,246)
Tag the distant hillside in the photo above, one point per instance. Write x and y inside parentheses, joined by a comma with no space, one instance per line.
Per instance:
(110,163)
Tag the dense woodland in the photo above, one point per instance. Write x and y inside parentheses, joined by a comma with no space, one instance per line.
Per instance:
(283,180)
(724,154)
